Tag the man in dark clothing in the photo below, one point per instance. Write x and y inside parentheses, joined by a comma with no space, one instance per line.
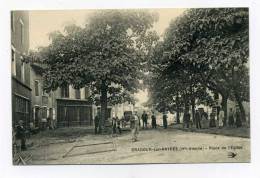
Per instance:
(114,126)
(186,119)
(97,118)
(197,119)
(165,123)
(118,122)
(231,118)
(153,121)
(238,119)
(212,121)
(20,134)
(144,118)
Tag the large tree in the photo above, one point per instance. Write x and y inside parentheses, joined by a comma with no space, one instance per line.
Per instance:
(107,54)
(212,44)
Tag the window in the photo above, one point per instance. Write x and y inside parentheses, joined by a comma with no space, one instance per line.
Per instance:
(78,114)
(77,93)
(21,105)
(12,21)
(45,100)
(50,113)
(36,87)
(23,72)
(22,31)
(87,92)
(13,62)
(65,91)
(44,112)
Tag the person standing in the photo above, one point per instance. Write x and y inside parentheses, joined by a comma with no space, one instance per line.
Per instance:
(238,118)
(118,122)
(153,121)
(204,120)
(135,126)
(186,119)
(231,118)
(96,122)
(221,117)
(198,119)
(114,126)
(144,119)
(165,123)
(20,135)
(212,121)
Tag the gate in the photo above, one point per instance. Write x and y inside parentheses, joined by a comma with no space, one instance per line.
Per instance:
(21,110)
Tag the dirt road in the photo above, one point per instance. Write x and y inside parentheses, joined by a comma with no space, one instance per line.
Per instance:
(154,146)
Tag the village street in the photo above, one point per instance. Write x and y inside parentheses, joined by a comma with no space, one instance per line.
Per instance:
(153,146)
(128,86)
(116,69)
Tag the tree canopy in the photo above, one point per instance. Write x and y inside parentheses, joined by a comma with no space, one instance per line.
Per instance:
(107,54)
(205,48)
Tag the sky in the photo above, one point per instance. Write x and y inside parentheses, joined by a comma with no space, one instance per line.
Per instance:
(45,21)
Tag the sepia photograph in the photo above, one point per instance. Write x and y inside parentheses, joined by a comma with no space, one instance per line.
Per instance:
(130,86)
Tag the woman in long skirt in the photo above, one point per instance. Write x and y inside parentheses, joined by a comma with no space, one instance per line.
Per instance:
(221,118)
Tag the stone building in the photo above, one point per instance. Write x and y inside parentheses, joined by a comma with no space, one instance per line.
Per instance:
(73,107)
(64,107)
(21,91)
(43,104)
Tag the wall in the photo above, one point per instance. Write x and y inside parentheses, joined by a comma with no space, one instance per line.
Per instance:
(43,100)
(21,91)
(20,46)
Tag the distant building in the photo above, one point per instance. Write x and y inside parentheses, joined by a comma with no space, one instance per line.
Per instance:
(21,91)
(230,105)
(119,109)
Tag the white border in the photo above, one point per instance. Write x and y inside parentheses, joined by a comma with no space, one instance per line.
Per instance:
(170,170)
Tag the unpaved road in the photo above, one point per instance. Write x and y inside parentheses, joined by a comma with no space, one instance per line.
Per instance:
(154,146)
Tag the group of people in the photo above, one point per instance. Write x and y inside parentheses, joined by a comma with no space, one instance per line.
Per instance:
(153,120)
(135,123)
(234,118)
(116,125)
(201,119)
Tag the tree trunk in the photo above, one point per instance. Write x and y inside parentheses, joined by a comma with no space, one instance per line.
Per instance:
(224,106)
(103,102)
(178,109)
(178,115)
(240,105)
(192,100)
(193,109)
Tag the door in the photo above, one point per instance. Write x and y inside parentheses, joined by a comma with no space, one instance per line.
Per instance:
(37,117)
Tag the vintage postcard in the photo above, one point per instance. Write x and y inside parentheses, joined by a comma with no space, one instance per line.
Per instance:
(130,86)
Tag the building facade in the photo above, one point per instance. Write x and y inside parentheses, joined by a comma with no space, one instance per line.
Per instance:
(21,91)
(119,109)
(43,104)
(64,107)
(73,107)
